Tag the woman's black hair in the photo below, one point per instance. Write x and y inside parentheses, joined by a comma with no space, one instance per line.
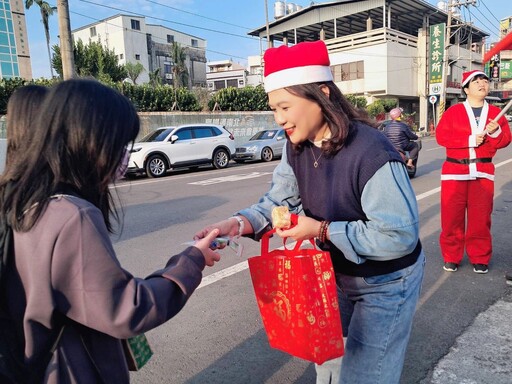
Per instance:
(78,141)
(337,111)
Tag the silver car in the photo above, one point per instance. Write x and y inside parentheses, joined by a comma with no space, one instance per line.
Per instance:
(265,145)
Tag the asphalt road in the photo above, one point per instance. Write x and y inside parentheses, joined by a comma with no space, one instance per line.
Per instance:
(218,336)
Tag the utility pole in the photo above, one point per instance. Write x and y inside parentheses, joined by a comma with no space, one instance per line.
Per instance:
(267,26)
(66,45)
(448,35)
(444,83)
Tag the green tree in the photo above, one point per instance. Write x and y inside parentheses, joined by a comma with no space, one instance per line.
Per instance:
(92,60)
(46,11)
(179,67)
(133,71)
(154,78)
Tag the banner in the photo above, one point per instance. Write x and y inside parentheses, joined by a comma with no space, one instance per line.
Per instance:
(436,54)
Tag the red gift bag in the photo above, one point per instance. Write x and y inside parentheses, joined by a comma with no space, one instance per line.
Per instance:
(296,294)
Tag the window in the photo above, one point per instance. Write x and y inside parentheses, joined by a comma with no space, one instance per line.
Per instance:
(121,56)
(220,84)
(135,24)
(184,134)
(170,39)
(348,71)
(137,57)
(202,132)
(92,30)
(194,43)
(167,67)
(232,83)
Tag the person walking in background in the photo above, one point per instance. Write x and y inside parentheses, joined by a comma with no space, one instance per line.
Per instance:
(352,192)
(23,107)
(401,136)
(65,275)
(471,139)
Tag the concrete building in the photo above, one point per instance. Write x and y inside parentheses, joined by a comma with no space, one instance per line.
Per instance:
(225,73)
(255,69)
(14,49)
(135,41)
(380,49)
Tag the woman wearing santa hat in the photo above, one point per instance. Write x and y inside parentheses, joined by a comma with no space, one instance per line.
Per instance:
(471,138)
(351,190)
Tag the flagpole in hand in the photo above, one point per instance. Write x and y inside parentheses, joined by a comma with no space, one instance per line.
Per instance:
(504,110)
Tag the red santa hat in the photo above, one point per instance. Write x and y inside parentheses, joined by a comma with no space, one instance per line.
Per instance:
(467,76)
(302,63)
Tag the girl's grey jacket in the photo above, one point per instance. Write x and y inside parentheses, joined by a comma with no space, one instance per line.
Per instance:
(68,273)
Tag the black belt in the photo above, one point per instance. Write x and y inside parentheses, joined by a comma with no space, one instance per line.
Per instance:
(469,161)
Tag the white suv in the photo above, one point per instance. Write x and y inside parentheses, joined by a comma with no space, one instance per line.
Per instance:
(185,146)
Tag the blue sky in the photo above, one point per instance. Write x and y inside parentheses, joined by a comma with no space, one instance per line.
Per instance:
(223,23)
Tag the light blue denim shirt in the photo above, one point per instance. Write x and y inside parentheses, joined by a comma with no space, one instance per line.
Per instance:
(388,200)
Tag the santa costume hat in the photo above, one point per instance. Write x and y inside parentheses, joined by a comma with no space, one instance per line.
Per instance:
(303,63)
(467,76)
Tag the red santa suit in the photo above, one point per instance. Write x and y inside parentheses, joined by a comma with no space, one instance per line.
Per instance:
(467,181)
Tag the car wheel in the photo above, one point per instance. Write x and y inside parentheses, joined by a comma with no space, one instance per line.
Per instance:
(220,158)
(156,166)
(267,154)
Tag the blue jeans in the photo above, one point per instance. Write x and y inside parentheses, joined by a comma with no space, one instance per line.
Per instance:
(377,314)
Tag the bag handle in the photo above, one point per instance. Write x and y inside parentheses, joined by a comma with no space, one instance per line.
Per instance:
(265,238)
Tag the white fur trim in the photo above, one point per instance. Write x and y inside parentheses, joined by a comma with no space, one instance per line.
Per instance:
(468,79)
(296,76)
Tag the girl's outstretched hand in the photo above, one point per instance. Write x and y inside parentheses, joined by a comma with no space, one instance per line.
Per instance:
(203,245)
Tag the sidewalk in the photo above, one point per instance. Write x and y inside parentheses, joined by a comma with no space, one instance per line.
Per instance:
(482,354)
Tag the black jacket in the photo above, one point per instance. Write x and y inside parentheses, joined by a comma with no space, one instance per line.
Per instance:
(399,134)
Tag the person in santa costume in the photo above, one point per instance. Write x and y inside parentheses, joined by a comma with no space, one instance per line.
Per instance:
(471,138)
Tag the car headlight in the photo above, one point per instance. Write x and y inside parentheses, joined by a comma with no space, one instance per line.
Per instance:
(133,150)
(252,148)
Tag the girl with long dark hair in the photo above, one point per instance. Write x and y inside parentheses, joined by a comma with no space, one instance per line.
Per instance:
(65,275)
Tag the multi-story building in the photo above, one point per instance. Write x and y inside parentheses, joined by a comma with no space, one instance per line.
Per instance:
(224,74)
(380,49)
(135,41)
(14,49)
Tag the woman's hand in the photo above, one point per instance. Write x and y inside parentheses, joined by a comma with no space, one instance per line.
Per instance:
(227,228)
(306,228)
(203,245)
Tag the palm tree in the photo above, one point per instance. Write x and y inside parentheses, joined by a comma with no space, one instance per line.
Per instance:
(179,68)
(46,11)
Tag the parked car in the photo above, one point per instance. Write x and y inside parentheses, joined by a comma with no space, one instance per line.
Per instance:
(185,146)
(265,145)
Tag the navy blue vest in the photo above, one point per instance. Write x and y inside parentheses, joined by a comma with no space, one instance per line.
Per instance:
(333,190)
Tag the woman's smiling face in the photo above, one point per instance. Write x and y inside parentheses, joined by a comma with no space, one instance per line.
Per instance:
(301,118)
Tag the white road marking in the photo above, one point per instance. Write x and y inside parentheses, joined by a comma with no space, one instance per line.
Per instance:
(230,178)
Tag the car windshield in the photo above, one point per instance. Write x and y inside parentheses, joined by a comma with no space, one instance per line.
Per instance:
(157,135)
(264,135)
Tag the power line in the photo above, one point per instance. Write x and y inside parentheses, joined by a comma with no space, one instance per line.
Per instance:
(156,38)
(196,14)
(169,21)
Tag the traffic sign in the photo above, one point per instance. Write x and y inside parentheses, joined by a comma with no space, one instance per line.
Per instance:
(432,99)
(435,88)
